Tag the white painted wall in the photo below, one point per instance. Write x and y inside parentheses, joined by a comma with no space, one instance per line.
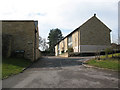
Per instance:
(75,49)
(56,53)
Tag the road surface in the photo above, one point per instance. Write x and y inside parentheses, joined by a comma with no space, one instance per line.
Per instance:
(52,72)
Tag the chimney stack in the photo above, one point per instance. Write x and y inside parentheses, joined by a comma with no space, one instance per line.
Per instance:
(94,14)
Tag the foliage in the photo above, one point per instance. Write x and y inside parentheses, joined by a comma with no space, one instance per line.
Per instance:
(12,66)
(107,51)
(111,56)
(55,36)
(109,63)
(62,51)
(43,44)
(70,49)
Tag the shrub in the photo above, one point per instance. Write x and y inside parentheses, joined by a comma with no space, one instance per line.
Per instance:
(62,51)
(107,51)
(70,49)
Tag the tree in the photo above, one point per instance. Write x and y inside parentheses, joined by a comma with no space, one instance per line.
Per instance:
(55,36)
(43,43)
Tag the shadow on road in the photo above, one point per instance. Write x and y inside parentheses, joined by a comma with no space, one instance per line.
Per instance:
(56,62)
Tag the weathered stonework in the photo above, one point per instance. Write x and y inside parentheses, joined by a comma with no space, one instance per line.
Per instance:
(75,41)
(61,46)
(65,45)
(94,32)
(92,36)
(23,37)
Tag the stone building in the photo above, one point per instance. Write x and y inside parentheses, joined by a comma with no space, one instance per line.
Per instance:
(21,37)
(90,37)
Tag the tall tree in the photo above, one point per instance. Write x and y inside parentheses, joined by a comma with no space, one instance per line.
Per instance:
(55,36)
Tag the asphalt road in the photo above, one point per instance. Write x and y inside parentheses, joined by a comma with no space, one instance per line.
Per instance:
(52,72)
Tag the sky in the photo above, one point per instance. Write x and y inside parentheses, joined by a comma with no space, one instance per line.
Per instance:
(119,23)
(66,15)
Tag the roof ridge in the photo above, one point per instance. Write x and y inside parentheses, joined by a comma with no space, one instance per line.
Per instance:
(94,16)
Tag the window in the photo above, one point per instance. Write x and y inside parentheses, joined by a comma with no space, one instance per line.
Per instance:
(70,41)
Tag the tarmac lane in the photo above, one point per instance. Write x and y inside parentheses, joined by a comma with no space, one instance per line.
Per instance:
(55,72)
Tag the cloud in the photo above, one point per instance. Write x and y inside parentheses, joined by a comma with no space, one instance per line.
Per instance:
(64,14)
(35,14)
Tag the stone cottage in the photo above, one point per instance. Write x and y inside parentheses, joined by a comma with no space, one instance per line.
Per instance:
(21,37)
(90,37)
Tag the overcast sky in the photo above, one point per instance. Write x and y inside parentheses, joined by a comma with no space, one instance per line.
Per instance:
(66,15)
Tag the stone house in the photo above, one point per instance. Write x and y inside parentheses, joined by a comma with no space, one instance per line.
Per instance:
(90,37)
(21,37)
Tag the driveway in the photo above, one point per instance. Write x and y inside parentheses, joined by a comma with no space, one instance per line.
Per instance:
(54,72)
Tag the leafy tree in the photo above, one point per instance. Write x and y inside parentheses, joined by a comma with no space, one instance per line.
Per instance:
(55,36)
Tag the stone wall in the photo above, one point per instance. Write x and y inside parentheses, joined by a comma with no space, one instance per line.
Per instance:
(94,32)
(91,36)
(65,45)
(94,36)
(38,54)
(23,33)
(61,46)
(6,45)
(75,41)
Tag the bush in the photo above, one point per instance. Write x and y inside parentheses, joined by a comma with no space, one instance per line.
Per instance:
(108,51)
(70,49)
(62,51)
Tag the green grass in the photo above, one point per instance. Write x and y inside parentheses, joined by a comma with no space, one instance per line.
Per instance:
(110,55)
(12,66)
(110,63)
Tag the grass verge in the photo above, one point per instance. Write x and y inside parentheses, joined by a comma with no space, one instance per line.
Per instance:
(110,55)
(110,63)
(12,66)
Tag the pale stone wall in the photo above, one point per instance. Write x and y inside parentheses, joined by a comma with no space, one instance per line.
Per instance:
(61,46)
(75,41)
(65,45)
(23,33)
(56,50)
